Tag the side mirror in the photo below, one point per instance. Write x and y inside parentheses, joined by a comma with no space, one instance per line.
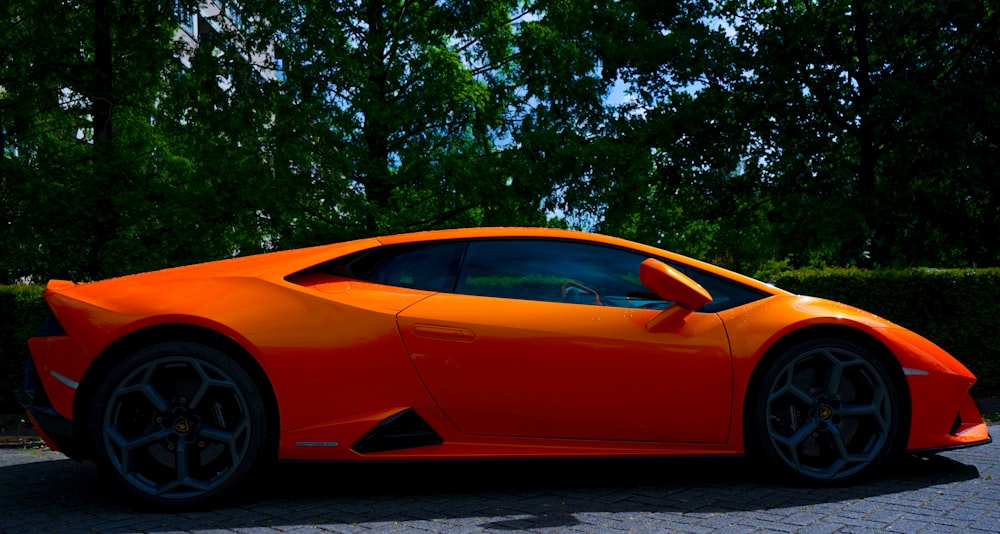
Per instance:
(670,284)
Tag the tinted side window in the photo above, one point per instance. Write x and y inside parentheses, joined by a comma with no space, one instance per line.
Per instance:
(555,271)
(725,293)
(430,267)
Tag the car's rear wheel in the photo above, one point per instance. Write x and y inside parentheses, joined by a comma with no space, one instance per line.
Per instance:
(177,424)
(826,409)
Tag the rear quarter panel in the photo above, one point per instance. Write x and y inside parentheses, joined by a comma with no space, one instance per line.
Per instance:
(326,355)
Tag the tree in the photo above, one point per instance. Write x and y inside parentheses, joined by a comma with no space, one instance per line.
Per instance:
(871,125)
(387,116)
(415,115)
(78,86)
(844,132)
(832,132)
(669,168)
(393,117)
(117,156)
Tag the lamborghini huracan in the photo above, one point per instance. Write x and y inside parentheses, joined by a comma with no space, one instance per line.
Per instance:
(491,343)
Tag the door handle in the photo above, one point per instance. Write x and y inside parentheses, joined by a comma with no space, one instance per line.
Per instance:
(450,333)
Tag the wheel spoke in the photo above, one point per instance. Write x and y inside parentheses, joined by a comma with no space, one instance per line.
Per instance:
(126,446)
(858,410)
(837,439)
(182,461)
(836,374)
(147,439)
(878,408)
(183,478)
(786,385)
(798,392)
(159,403)
(800,435)
(207,383)
(230,438)
(215,434)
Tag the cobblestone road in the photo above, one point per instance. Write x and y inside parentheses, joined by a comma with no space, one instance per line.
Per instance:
(42,491)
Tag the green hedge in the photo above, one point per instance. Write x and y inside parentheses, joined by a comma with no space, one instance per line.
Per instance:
(956,309)
(22,311)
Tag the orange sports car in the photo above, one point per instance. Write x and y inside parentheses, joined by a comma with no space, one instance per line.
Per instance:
(475,344)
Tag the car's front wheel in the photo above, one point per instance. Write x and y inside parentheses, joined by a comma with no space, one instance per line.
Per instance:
(826,409)
(177,424)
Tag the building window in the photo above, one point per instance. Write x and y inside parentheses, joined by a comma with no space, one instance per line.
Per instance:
(185,14)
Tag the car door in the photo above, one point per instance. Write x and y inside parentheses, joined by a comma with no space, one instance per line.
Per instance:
(547,339)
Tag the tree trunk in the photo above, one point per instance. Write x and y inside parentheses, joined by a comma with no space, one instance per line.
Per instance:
(375,167)
(866,194)
(102,99)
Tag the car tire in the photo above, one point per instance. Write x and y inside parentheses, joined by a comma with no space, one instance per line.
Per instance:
(177,425)
(825,410)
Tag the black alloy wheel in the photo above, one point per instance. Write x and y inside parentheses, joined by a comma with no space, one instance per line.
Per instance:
(827,410)
(177,425)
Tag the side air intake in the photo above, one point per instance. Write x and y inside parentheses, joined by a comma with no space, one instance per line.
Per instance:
(403,430)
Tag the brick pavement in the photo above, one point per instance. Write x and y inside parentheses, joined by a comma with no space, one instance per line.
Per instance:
(42,491)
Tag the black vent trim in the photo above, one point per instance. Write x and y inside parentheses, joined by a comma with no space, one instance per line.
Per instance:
(957,424)
(50,327)
(403,430)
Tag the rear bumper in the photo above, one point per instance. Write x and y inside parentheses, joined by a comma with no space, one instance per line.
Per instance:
(54,429)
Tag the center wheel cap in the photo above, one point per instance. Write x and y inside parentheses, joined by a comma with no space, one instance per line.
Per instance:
(825,412)
(182,426)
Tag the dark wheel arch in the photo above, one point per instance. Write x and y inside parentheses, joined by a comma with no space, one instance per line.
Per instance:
(134,341)
(803,335)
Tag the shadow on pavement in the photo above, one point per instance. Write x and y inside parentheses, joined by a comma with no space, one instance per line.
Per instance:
(509,495)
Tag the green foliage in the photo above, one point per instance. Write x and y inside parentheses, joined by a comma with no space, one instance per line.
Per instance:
(954,308)
(836,133)
(817,133)
(869,123)
(533,287)
(22,311)
(103,170)
(402,108)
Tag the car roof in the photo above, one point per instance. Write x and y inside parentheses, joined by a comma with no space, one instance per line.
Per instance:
(277,265)
(556,233)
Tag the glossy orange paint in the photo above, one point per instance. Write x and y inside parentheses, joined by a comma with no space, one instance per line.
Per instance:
(929,371)
(494,377)
(541,369)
